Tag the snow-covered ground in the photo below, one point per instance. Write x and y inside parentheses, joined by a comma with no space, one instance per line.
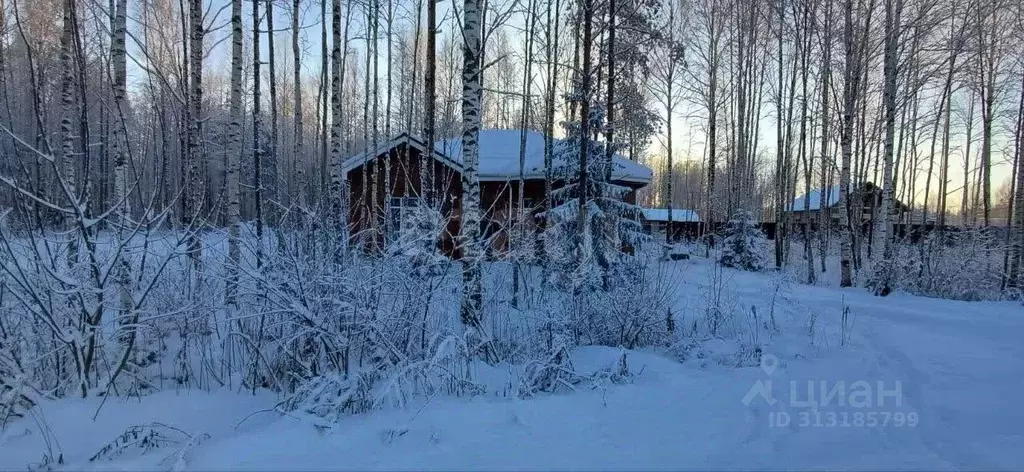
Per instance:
(917,383)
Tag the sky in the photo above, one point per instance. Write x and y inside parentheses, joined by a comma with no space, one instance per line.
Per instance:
(688,137)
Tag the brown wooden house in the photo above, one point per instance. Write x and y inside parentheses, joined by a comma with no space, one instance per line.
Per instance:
(866,201)
(376,214)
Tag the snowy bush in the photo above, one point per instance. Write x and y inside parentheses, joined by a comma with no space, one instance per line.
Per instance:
(961,265)
(417,241)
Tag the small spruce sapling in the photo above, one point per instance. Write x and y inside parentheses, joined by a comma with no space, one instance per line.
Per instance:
(591,257)
(742,243)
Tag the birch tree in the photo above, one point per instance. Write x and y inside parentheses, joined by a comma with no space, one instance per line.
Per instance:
(851,76)
(471,309)
(666,75)
(195,113)
(234,152)
(882,282)
(298,164)
(339,182)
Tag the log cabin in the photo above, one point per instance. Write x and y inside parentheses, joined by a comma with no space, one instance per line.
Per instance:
(376,215)
(867,201)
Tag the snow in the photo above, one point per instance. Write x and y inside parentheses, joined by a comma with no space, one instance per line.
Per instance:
(956,365)
(831,198)
(678,214)
(499,157)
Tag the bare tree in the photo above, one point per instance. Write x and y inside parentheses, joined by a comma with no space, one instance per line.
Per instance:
(883,276)
(666,75)
(851,76)
(257,131)
(298,151)
(234,152)
(429,101)
(273,164)
(339,182)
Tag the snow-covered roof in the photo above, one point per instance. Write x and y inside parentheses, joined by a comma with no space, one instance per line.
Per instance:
(385,146)
(831,198)
(678,215)
(499,156)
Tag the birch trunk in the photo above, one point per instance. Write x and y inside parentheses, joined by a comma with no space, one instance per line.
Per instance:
(883,276)
(68,112)
(850,78)
(1017,229)
(824,222)
(119,147)
(234,152)
(298,166)
(469,232)
(339,182)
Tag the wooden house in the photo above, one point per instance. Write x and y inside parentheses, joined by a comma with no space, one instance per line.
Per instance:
(376,214)
(685,223)
(866,201)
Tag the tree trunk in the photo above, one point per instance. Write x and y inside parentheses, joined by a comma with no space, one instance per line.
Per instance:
(469,233)
(523,124)
(339,182)
(586,12)
(298,166)
(824,222)
(234,152)
(850,78)
(883,274)
(1017,229)
(257,130)
(68,114)
(429,102)
(551,56)
(273,180)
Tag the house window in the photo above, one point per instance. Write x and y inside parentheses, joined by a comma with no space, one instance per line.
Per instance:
(401,214)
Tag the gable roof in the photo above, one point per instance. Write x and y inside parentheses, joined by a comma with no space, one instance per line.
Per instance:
(499,156)
(383,147)
(678,215)
(831,198)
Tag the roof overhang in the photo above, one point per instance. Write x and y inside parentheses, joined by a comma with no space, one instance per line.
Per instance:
(358,160)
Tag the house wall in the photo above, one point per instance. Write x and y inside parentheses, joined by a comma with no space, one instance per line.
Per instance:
(405,181)
(499,200)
